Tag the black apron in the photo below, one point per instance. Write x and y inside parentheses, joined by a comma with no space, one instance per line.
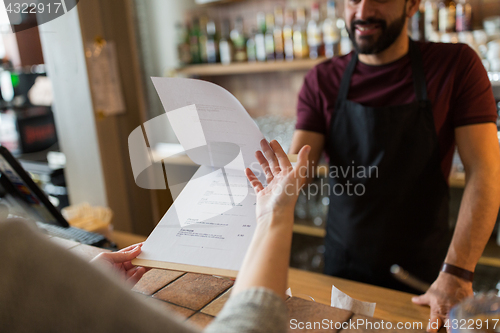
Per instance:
(401,216)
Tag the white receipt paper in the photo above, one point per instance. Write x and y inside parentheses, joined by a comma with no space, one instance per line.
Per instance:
(343,301)
(212,221)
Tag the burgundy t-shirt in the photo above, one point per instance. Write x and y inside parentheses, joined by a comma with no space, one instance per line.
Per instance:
(457,86)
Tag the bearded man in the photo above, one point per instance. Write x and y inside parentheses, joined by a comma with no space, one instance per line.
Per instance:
(402,106)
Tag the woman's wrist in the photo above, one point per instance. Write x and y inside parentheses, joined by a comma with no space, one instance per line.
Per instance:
(277,218)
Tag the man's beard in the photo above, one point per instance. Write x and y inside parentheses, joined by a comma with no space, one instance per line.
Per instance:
(387,37)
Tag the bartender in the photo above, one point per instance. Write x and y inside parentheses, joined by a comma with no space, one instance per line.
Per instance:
(393,110)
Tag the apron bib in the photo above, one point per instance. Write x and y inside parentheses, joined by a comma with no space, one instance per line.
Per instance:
(402,215)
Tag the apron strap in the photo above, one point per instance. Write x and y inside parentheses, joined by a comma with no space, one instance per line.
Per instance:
(417,69)
(346,80)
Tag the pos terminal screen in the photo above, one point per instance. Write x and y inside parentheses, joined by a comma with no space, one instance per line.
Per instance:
(22,196)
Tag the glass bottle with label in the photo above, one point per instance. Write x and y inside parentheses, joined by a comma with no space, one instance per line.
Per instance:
(203,39)
(417,24)
(183,50)
(288,34)
(269,37)
(345,41)
(279,48)
(211,42)
(251,52)
(452,16)
(431,18)
(331,32)
(260,39)
(225,46)
(314,40)
(238,40)
(194,42)
(300,47)
(447,16)
(464,16)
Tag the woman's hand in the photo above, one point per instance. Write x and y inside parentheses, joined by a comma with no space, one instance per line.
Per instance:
(120,261)
(267,258)
(283,181)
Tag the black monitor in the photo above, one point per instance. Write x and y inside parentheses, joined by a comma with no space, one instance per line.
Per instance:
(23,196)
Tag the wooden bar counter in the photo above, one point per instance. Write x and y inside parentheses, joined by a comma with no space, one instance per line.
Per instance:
(392,305)
(199,298)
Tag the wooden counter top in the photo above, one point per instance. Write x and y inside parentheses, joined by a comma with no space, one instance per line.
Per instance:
(392,305)
(199,298)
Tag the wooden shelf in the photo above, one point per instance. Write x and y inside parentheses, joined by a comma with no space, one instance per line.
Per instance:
(249,67)
(456,180)
(206,3)
(309,230)
(488,261)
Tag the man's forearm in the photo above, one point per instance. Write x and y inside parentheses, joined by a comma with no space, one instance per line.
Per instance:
(316,141)
(476,218)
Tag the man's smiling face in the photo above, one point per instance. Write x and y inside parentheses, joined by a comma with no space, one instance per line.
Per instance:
(374,25)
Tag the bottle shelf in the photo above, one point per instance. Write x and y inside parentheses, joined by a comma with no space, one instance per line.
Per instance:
(249,67)
(309,230)
(456,179)
(215,2)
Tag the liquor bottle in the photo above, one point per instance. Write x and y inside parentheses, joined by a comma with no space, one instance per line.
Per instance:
(314,40)
(443,16)
(288,34)
(211,44)
(452,16)
(417,26)
(203,39)
(464,16)
(269,37)
(225,46)
(279,48)
(431,18)
(183,50)
(251,52)
(447,12)
(331,31)
(260,43)
(300,47)
(345,41)
(194,42)
(238,40)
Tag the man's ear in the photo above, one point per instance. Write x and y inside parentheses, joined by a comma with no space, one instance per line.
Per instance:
(412,7)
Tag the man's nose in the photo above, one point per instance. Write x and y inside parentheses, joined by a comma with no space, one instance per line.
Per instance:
(365,9)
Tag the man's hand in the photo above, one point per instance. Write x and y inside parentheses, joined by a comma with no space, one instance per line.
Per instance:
(121,262)
(443,294)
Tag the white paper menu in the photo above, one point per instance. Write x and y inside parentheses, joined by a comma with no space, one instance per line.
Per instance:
(211,223)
